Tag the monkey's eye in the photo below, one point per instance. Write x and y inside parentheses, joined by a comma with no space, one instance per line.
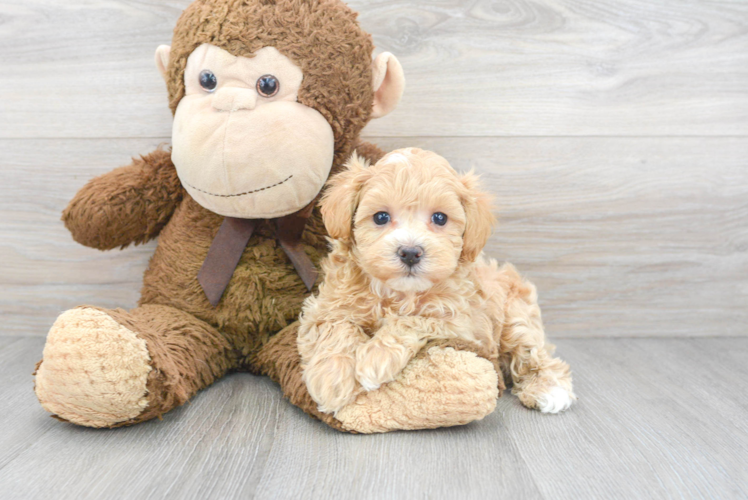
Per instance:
(208,80)
(381,218)
(439,218)
(268,86)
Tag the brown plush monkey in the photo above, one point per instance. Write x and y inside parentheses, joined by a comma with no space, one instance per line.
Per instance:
(269,98)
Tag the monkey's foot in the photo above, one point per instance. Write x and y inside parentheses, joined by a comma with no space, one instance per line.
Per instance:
(94,370)
(440,387)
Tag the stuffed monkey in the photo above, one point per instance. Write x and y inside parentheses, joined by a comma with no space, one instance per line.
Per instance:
(269,98)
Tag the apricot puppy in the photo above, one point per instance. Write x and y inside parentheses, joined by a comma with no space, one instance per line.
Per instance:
(407,267)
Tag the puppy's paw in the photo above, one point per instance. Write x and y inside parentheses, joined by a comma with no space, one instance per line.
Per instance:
(331,382)
(379,361)
(557,399)
(553,399)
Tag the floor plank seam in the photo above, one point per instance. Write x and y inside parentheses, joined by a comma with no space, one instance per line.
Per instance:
(518,452)
(265,458)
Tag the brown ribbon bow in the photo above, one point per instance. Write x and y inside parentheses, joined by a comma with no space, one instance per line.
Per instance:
(231,240)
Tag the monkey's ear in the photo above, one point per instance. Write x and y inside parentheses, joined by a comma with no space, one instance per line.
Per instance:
(338,204)
(162,59)
(389,83)
(479,220)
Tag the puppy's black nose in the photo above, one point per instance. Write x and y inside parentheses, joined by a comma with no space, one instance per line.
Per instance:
(410,255)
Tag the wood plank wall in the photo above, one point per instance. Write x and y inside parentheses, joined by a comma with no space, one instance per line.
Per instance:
(614,134)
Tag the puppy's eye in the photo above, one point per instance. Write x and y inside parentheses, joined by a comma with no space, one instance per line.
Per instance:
(208,80)
(268,86)
(381,218)
(439,218)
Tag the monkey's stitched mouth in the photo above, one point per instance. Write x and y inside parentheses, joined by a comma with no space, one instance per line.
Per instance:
(244,193)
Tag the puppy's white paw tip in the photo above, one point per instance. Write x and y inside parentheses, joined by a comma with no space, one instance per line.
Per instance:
(369,386)
(555,400)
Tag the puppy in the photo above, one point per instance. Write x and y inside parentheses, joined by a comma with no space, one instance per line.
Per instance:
(406,267)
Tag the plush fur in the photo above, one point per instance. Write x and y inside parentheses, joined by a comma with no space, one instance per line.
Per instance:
(321,36)
(189,343)
(111,347)
(374,312)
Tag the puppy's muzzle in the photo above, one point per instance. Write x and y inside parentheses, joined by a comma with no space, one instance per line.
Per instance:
(410,255)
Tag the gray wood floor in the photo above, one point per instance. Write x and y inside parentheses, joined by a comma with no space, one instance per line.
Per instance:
(656,418)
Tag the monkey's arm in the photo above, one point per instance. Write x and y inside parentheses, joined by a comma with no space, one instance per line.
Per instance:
(127,205)
(369,151)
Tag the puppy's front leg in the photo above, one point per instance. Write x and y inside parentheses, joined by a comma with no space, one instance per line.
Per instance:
(328,353)
(382,358)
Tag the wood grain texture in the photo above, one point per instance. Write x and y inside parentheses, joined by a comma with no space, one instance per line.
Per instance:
(622,236)
(214,447)
(481,67)
(656,418)
(18,358)
(661,419)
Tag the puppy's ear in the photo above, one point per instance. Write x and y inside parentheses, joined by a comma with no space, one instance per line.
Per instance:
(341,198)
(479,220)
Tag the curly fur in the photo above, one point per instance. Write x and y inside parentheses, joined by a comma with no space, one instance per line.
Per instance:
(373,313)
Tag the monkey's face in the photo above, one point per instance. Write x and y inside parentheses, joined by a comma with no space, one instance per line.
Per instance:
(242,144)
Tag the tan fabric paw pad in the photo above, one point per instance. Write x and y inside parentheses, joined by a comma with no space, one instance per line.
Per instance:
(94,371)
(444,388)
